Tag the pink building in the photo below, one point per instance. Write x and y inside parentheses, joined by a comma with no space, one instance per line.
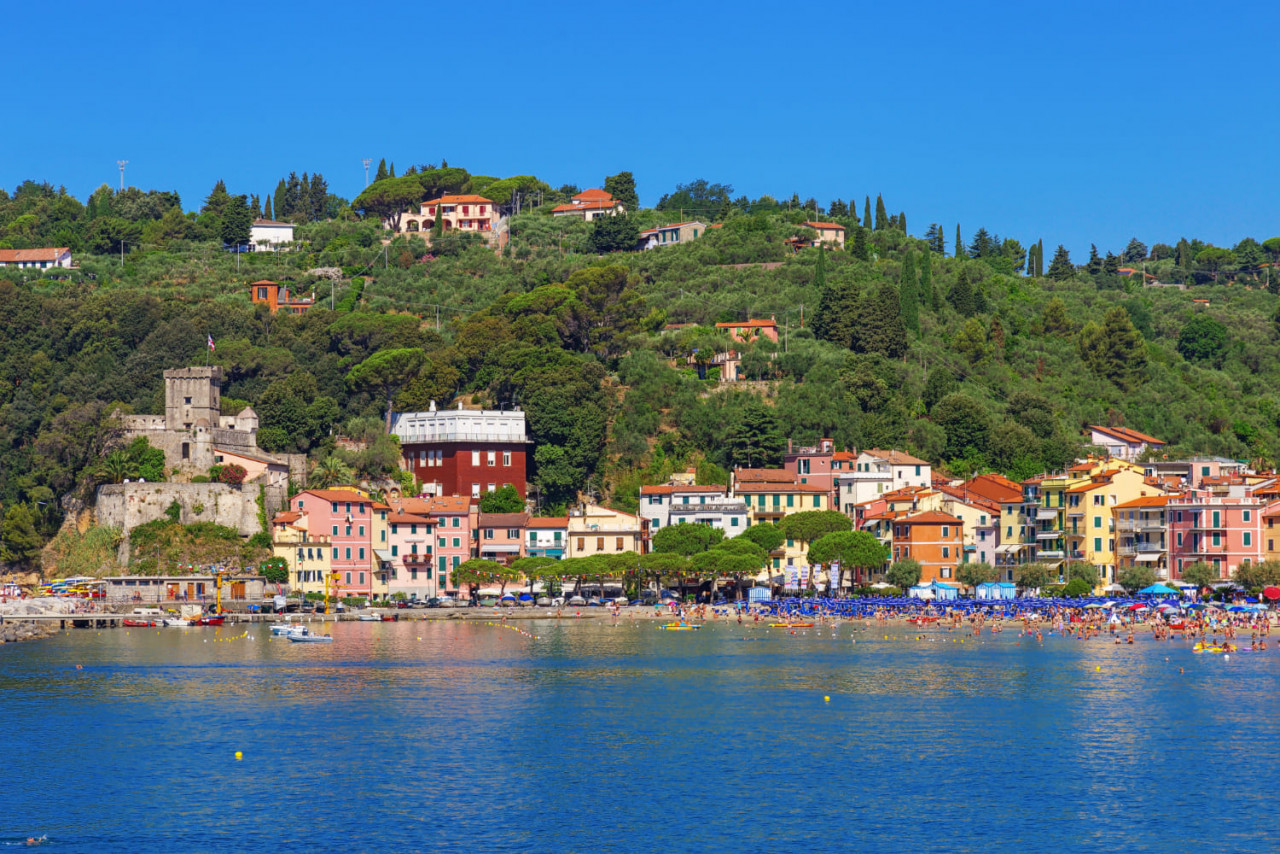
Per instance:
(500,536)
(452,517)
(820,464)
(750,330)
(1222,531)
(410,538)
(347,517)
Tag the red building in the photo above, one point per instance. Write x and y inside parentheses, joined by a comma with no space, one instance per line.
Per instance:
(463,451)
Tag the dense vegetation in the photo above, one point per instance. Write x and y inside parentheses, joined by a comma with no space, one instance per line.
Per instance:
(977,359)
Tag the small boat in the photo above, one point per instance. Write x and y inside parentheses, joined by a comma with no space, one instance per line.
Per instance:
(210,621)
(920,621)
(679,627)
(791,625)
(370,618)
(286,628)
(305,636)
(142,624)
(1200,647)
(177,622)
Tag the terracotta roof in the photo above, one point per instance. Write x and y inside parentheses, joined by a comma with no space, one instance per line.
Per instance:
(1124,434)
(895,457)
(262,282)
(270,222)
(449,504)
(378,506)
(749,324)
(1145,501)
(504,520)
(932,517)
(822,225)
(780,487)
(408,519)
(972,498)
(669,488)
(597,205)
(1088,487)
(997,487)
(459,200)
(764,476)
(20,256)
(286,517)
(593,195)
(845,456)
(549,522)
(338,495)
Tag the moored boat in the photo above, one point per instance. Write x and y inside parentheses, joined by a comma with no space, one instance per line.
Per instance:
(304,635)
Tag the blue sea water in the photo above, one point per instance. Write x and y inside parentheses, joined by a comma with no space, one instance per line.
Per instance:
(585,736)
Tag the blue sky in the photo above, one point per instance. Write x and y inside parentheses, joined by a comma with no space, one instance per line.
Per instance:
(1073,122)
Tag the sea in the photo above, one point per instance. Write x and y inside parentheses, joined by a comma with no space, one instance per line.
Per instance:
(601,735)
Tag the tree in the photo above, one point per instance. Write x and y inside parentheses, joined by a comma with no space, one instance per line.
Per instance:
(959,244)
(928,293)
(623,189)
(686,539)
(1203,339)
(961,296)
(1202,575)
(505,499)
(882,217)
(1135,252)
(1061,268)
(1054,321)
(388,199)
(117,467)
(1134,578)
(1214,258)
(477,572)
(22,543)
(1250,576)
(836,318)
(237,221)
(879,323)
(755,441)
(386,372)
(380,175)
(904,574)
(967,425)
(275,570)
(851,549)
(811,525)
(1116,350)
(267,211)
(973,574)
(909,293)
(618,233)
(1033,576)
(766,535)
(936,239)
(330,471)
(941,382)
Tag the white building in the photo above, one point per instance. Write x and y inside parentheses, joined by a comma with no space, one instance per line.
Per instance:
(266,235)
(876,472)
(1121,442)
(40,259)
(672,504)
(590,205)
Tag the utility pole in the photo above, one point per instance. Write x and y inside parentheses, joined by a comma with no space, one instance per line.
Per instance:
(366,162)
(122,164)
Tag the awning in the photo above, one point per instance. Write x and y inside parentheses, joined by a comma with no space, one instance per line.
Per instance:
(501,549)
(383,555)
(1010,549)
(1149,557)
(1046,513)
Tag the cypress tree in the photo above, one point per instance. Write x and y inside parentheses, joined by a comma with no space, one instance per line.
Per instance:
(380,175)
(882,216)
(927,291)
(961,296)
(1040,257)
(391,173)
(880,328)
(866,213)
(909,293)
(282,200)
(267,211)
(860,249)
(319,197)
(255,207)
(837,314)
(959,242)
(902,221)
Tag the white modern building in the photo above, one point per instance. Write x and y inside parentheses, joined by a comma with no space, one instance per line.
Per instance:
(266,235)
(673,504)
(876,472)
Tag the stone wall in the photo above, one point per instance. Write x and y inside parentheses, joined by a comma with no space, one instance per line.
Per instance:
(128,505)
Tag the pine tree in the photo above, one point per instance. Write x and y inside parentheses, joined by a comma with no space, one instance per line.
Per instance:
(882,216)
(1094,266)
(1054,321)
(837,314)
(928,293)
(909,293)
(866,213)
(1061,268)
(935,238)
(1111,264)
(959,242)
(1115,350)
(879,326)
(380,175)
(902,222)
(860,249)
(961,296)
(267,211)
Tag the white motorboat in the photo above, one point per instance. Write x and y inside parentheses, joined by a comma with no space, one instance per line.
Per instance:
(177,622)
(305,636)
(286,628)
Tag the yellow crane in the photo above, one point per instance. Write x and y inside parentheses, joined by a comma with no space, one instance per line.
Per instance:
(330,579)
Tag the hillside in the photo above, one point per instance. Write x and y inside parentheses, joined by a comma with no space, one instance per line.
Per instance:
(894,341)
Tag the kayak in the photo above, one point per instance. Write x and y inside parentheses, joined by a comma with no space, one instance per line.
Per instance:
(142,624)
(919,621)
(679,627)
(791,625)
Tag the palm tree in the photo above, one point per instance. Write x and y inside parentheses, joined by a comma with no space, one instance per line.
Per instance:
(331,471)
(116,467)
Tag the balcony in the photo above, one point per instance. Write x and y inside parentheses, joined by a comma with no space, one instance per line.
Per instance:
(866,475)
(1043,513)
(1048,535)
(709,507)
(1052,554)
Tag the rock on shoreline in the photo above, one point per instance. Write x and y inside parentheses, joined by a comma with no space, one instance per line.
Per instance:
(13,631)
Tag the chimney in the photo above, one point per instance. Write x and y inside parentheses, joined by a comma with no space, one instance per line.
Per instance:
(788,446)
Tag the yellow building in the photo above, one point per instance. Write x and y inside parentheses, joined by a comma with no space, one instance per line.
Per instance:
(306,555)
(1088,516)
(596,530)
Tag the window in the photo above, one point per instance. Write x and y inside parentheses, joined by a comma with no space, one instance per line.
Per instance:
(946,571)
(917,471)
(946,552)
(1217,519)
(777,501)
(513,533)
(413,575)
(413,548)
(817,501)
(488,533)
(1248,539)
(348,578)
(475,458)
(733,522)
(946,530)
(382,535)
(556,537)
(506,458)
(442,542)
(443,564)
(335,530)
(1246,516)
(348,551)
(395,551)
(1097,544)
(335,554)
(491,458)
(1097,521)
(457,543)
(362,578)
(361,532)
(493,487)
(348,529)
(599,544)
(1217,538)
(475,490)
(348,506)
(582,543)
(791,501)
(617,546)
(361,553)
(455,561)
(456,522)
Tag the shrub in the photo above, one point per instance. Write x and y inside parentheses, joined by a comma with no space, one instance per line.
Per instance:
(232,474)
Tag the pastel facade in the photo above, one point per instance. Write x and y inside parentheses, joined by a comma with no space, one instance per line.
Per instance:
(594,530)
(1142,530)
(346,516)
(547,537)
(878,471)
(671,235)
(772,501)
(457,212)
(746,331)
(500,536)
(410,553)
(277,298)
(590,205)
(307,554)
(1089,524)
(672,504)
(932,539)
(1121,442)
(828,232)
(36,259)
(452,518)
(1223,532)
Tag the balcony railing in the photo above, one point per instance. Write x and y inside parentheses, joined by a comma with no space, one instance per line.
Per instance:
(710,507)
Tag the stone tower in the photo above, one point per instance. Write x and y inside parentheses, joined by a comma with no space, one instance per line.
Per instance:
(192,397)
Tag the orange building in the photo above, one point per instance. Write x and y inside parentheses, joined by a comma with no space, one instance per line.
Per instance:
(934,540)
(276,297)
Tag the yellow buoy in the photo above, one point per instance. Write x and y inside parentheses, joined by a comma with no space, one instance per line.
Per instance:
(826,699)
(1099,667)
(239,756)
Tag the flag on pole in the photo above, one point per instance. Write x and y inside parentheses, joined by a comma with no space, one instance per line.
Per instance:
(210,337)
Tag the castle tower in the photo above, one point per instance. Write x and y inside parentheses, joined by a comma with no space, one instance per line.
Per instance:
(192,397)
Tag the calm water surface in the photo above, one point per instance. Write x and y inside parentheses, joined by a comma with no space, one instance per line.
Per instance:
(584,736)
